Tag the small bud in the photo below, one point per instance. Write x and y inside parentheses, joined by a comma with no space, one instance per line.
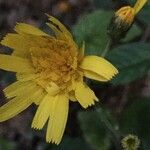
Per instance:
(125,16)
(123,20)
(130,142)
(121,23)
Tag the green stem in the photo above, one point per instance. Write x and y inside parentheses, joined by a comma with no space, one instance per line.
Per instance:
(115,135)
(107,48)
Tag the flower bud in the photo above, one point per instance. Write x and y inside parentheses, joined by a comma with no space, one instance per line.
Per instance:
(125,16)
(123,20)
(121,23)
(130,142)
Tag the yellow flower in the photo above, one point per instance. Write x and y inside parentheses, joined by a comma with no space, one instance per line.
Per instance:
(49,72)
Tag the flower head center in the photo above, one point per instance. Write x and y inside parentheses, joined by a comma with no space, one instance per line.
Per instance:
(57,62)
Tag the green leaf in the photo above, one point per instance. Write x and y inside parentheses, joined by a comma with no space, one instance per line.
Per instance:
(132,33)
(136,120)
(94,130)
(144,13)
(92,29)
(132,61)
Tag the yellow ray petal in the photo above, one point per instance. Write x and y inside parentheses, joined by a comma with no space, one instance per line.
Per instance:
(26,77)
(20,88)
(52,88)
(15,64)
(58,119)
(99,66)
(84,95)
(12,40)
(29,29)
(94,76)
(43,112)
(21,43)
(19,103)
(72,96)
(13,86)
(38,95)
(139,4)
(59,25)
(13,107)
(61,31)
(62,36)
(57,32)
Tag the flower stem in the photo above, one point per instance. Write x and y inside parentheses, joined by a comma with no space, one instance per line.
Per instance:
(107,48)
(114,133)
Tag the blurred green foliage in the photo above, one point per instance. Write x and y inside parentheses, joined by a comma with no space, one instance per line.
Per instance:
(136,120)
(134,32)
(70,144)
(6,145)
(92,29)
(132,60)
(144,15)
(94,128)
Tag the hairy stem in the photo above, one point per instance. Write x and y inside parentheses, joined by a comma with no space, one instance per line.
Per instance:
(107,48)
(114,133)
